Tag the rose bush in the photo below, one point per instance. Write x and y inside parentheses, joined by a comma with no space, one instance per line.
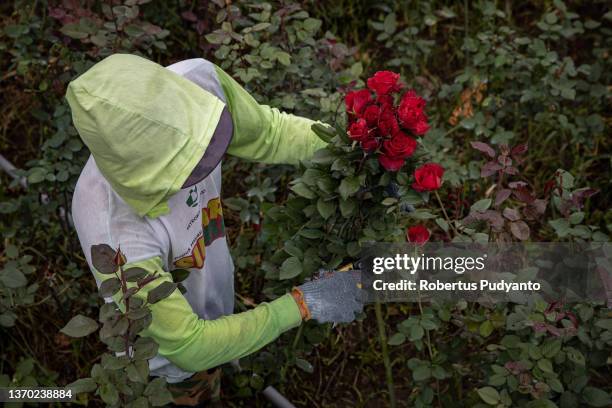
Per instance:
(491,72)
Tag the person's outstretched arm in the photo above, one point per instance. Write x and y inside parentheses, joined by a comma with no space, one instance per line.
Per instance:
(263,133)
(194,344)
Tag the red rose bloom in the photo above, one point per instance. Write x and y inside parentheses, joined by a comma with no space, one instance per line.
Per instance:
(384,82)
(418,234)
(421,127)
(385,101)
(391,163)
(359,130)
(411,114)
(371,114)
(400,146)
(386,128)
(370,144)
(356,101)
(387,123)
(428,177)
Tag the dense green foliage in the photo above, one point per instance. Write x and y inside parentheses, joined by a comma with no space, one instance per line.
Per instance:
(533,74)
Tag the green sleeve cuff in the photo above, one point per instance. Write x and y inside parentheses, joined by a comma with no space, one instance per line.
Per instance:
(287,312)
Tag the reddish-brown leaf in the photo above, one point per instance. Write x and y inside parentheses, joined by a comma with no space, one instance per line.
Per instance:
(512,214)
(189,16)
(519,149)
(502,195)
(511,170)
(489,169)
(484,148)
(522,194)
(540,205)
(520,230)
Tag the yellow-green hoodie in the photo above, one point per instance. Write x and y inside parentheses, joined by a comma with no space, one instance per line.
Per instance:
(147,127)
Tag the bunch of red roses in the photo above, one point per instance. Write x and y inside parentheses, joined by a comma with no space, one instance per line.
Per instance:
(379,125)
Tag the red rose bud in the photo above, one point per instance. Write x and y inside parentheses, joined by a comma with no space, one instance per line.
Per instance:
(428,177)
(387,123)
(359,130)
(371,114)
(370,144)
(384,82)
(410,113)
(356,101)
(390,163)
(418,234)
(399,146)
(119,258)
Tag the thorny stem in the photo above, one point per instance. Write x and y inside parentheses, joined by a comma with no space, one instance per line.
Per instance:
(385,351)
(445,214)
(124,289)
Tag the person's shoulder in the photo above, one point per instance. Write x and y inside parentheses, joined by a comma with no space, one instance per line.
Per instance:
(201,72)
(189,65)
(90,187)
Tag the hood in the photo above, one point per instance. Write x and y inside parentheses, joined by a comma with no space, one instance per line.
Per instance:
(146,127)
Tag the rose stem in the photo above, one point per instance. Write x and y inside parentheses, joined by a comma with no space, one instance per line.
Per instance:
(445,214)
(385,351)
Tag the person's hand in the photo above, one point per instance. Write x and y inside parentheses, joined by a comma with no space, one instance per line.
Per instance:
(333,297)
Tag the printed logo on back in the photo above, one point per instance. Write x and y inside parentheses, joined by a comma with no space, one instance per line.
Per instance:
(192,198)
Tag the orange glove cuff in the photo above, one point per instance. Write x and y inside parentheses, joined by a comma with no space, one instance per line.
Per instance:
(299,299)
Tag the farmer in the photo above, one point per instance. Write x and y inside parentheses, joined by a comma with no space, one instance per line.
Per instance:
(152,185)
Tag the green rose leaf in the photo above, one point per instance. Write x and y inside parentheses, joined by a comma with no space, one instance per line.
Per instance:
(157,392)
(326,208)
(486,328)
(179,275)
(349,186)
(481,205)
(545,365)
(134,274)
(109,287)
(140,402)
(292,249)
(304,365)
(111,362)
(397,339)
(290,268)
(596,397)
(13,278)
(79,326)
(421,373)
(325,133)
(604,324)
(103,259)
(164,290)
(138,371)
(489,395)
(83,385)
(348,207)
(109,393)
(303,191)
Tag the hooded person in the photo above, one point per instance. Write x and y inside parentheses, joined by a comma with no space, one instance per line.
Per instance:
(152,185)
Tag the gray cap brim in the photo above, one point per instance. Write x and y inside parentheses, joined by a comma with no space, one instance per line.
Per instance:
(215,151)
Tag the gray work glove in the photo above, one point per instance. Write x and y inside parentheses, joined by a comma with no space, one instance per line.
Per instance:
(334,297)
